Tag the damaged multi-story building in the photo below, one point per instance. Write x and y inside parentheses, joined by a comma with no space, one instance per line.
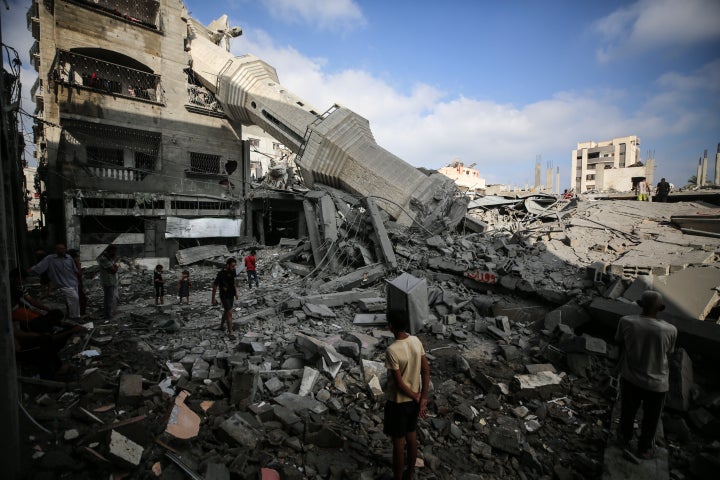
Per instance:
(141,111)
(609,165)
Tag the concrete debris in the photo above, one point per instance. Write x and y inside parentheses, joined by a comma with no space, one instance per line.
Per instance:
(522,364)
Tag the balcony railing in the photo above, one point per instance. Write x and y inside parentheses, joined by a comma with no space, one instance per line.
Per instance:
(32,13)
(94,74)
(141,12)
(120,173)
(201,100)
(35,55)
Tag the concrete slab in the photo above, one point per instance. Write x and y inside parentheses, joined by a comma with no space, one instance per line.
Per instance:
(691,292)
(408,294)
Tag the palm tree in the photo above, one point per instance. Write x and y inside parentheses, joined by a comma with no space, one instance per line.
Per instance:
(692,180)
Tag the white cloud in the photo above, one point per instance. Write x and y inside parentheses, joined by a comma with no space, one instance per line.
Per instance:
(334,15)
(656,24)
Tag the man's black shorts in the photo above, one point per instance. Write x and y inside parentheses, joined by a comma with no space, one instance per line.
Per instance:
(227,303)
(400,418)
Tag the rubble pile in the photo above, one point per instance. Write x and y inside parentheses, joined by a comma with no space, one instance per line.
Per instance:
(522,375)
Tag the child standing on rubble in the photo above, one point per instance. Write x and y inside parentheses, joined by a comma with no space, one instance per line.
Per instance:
(408,381)
(159,286)
(184,287)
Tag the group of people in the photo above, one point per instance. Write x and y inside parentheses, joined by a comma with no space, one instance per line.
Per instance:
(183,286)
(643,191)
(645,341)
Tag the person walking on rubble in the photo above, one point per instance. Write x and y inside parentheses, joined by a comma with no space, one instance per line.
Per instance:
(225,282)
(643,189)
(408,381)
(159,285)
(62,271)
(645,343)
(662,190)
(108,280)
(251,267)
(184,287)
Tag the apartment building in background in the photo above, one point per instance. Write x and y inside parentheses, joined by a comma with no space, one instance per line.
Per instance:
(609,165)
(137,151)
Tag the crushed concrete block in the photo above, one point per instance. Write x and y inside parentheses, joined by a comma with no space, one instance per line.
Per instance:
(374,304)
(92,378)
(615,290)
(691,292)
(130,389)
(349,349)
(330,359)
(310,377)
(274,385)
(541,381)
(480,448)
(510,352)
(372,369)
(370,319)
(263,410)
(124,449)
(243,388)
(239,430)
(506,439)
(318,311)
(285,415)
(639,285)
(71,434)
(296,403)
(292,363)
(183,422)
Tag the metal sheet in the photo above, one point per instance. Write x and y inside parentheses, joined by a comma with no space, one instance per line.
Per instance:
(202,227)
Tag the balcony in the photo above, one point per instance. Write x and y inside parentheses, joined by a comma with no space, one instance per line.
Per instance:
(81,71)
(117,173)
(33,20)
(201,100)
(35,55)
(144,13)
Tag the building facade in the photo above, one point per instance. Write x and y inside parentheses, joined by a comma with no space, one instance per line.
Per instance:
(130,139)
(467,178)
(608,165)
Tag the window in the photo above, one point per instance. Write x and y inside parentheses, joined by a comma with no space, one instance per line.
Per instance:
(204,163)
(254,142)
(276,146)
(143,161)
(104,157)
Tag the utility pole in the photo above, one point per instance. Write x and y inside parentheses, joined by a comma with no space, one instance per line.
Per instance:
(9,423)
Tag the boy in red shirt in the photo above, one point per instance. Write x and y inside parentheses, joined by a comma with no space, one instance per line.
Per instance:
(251,269)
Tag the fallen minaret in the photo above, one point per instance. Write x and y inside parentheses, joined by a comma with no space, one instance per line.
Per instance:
(335,148)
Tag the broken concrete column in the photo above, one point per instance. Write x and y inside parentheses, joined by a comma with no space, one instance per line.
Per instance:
(407,295)
(681,380)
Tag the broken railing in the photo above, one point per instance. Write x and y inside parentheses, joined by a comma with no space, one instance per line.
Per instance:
(78,70)
(201,100)
(141,12)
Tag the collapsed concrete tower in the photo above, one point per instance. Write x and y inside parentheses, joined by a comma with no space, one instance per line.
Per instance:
(335,148)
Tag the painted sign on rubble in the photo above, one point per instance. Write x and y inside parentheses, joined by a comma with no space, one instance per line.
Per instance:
(483,276)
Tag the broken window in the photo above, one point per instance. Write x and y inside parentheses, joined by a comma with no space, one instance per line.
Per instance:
(204,163)
(254,142)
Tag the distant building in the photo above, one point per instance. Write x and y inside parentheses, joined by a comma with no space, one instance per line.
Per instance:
(609,165)
(467,179)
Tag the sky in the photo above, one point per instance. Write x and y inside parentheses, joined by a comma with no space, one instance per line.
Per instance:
(498,84)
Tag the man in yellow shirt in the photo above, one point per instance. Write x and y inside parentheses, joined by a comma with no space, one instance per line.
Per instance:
(406,393)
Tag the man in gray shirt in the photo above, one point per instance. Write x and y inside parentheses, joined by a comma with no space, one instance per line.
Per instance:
(645,343)
(62,271)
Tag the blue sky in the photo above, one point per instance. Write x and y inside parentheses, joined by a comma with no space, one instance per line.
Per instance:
(496,83)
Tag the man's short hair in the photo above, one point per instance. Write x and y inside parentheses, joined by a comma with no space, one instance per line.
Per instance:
(398,320)
(651,301)
(252,252)
(229,261)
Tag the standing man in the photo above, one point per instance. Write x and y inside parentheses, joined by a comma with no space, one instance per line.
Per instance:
(645,342)
(108,280)
(406,393)
(663,190)
(250,266)
(225,281)
(63,273)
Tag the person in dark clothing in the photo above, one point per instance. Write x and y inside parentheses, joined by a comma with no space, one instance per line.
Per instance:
(159,285)
(251,267)
(662,190)
(225,282)
(645,343)
(75,254)
(184,287)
